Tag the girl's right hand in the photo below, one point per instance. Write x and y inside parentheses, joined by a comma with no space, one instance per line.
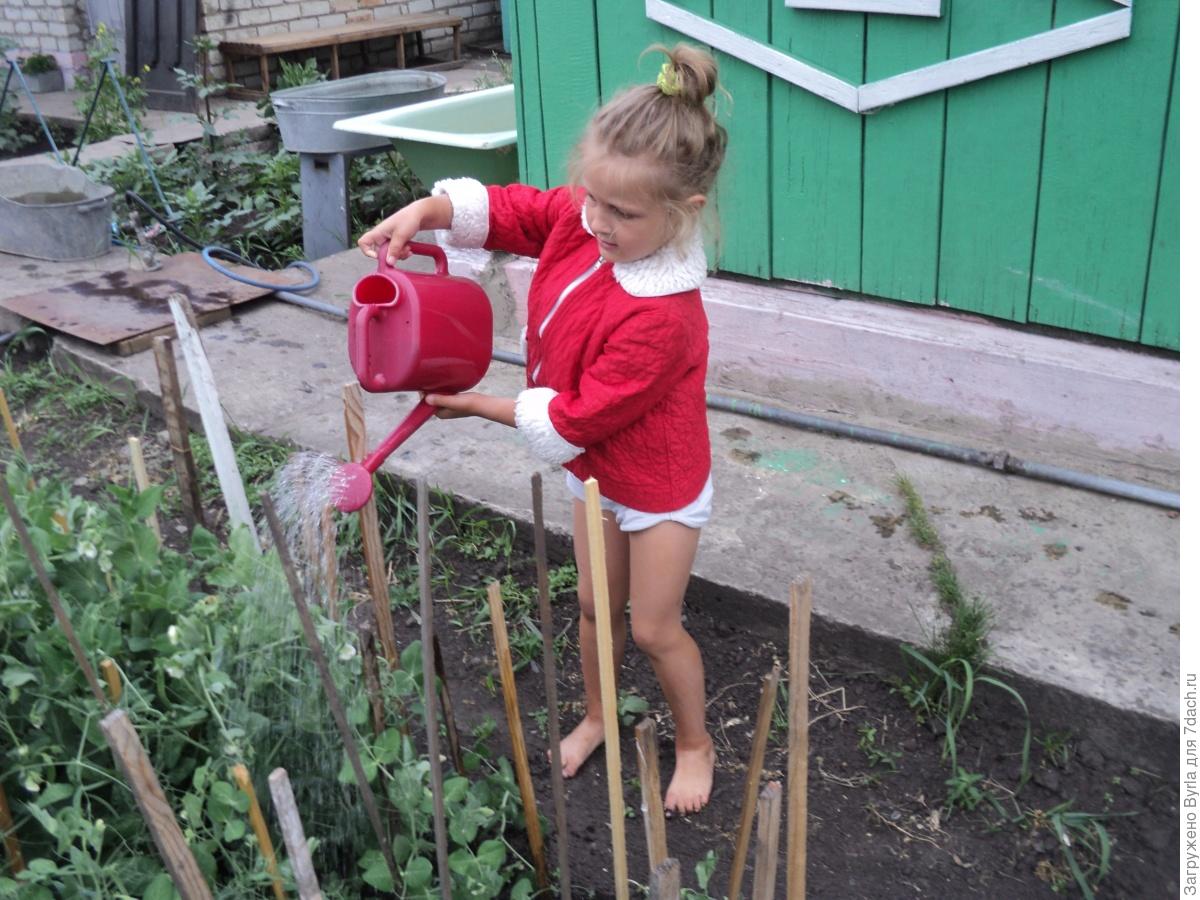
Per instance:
(395,232)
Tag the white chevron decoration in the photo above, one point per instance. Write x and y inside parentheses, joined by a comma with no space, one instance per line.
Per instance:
(892,7)
(874,95)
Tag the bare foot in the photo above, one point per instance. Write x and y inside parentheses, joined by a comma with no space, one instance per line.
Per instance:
(577,746)
(692,782)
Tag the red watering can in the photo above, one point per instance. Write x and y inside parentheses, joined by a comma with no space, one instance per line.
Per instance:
(411,331)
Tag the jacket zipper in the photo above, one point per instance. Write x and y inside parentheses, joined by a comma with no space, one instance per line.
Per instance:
(557,303)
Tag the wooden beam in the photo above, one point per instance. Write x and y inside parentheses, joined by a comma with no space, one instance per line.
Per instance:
(10,426)
(178,432)
(799,623)
(142,479)
(608,686)
(664,881)
(293,835)
(241,775)
(135,766)
(766,851)
(113,679)
(205,388)
(12,844)
(762,730)
(652,803)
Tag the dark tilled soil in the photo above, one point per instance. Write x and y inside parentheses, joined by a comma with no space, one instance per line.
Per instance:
(64,137)
(879,822)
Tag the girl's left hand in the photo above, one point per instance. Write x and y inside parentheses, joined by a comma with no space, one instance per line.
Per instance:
(454,406)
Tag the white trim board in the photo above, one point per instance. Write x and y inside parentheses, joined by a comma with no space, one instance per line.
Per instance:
(875,95)
(892,7)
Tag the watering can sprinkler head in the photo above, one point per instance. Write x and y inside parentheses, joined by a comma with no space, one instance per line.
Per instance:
(350,487)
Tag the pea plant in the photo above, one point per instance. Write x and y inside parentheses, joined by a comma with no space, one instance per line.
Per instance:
(214,672)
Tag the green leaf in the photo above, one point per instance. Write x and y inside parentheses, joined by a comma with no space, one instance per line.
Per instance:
(15,674)
(226,793)
(161,888)
(54,793)
(41,866)
(235,829)
(375,871)
(418,873)
(522,890)
(147,501)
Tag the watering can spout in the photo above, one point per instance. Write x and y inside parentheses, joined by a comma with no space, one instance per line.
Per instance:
(351,484)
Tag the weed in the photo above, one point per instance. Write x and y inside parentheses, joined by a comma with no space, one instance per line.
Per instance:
(495,79)
(872,747)
(631,707)
(1084,844)
(1056,747)
(964,791)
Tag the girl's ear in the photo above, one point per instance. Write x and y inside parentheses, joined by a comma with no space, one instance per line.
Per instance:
(697,201)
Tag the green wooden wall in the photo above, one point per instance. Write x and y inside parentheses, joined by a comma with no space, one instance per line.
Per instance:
(1048,195)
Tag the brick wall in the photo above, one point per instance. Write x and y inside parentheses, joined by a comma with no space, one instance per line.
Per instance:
(231,19)
(55,27)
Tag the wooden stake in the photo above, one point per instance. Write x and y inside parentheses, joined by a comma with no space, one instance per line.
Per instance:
(766,851)
(512,711)
(550,673)
(762,730)
(652,805)
(366,646)
(293,835)
(112,678)
(329,557)
(142,480)
(56,604)
(439,669)
(664,881)
(135,765)
(241,775)
(608,686)
(331,695)
(12,844)
(178,432)
(215,429)
(10,426)
(368,520)
(799,622)
(429,676)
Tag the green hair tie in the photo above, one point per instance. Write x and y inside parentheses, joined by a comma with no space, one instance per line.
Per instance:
(669,81)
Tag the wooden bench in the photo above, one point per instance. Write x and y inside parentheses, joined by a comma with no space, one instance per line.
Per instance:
(287,42)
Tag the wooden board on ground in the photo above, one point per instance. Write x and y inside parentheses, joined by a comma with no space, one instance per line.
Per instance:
(125,310)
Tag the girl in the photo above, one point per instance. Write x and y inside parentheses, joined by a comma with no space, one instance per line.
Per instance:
(617,350)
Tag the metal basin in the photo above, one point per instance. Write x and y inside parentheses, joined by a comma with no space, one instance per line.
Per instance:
(53,212)
(306,114)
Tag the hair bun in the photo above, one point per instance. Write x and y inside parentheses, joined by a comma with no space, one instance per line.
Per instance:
(690,73)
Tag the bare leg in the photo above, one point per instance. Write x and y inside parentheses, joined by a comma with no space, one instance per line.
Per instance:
(589,733)
(660,560)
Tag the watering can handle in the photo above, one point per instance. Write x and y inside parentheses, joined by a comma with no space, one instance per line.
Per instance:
(422,249)
(362,317)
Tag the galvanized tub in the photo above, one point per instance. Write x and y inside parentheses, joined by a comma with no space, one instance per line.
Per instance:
(53,212)
(471,134)
(306,114)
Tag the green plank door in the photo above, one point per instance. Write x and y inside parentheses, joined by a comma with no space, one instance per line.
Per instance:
(1105,117)
(624,32)
(743,197)
(568,69)
(990,178)
(531,143)
(816,154)
(1160,319)
(902,162)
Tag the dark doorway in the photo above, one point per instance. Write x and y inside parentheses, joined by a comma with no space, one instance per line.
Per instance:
(159,37)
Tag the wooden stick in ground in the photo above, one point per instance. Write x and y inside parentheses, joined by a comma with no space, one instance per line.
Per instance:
(331,695)
(608,685)
(652,805)
(799,622)
(241,776)
(664,881)
(177,431)
(439,668)
(370,659)
(12,844)
(766,851)
(112,678)
(9,425)
(56,604)
(211,414)
(512,712)
(550,673)
(135,765)
(368,521)
(138,463)
(293,835)
(429,676)
(330,561)
(762,730)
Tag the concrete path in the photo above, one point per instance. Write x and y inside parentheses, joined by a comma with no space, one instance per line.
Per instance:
(1085,587)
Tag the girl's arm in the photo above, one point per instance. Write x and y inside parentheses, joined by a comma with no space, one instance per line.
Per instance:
(457,406)
(398,228)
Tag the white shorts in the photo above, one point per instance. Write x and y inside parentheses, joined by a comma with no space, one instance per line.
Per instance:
(694,515)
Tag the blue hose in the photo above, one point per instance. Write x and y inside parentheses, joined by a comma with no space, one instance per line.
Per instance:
(209,252)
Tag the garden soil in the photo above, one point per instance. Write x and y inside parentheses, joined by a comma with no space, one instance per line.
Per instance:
(879,824)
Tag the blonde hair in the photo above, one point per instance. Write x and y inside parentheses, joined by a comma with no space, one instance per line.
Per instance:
(668,125)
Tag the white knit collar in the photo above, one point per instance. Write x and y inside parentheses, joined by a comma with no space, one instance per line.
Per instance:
(669,270)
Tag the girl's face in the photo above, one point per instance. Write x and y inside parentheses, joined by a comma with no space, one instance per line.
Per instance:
(628,224)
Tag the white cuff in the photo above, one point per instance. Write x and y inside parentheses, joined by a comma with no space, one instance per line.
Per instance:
(469,227)
(533,423)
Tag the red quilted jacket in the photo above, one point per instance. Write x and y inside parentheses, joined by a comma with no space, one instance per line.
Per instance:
(616,370)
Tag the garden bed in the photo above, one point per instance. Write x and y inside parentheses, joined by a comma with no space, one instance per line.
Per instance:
(26,138)
(887,815)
